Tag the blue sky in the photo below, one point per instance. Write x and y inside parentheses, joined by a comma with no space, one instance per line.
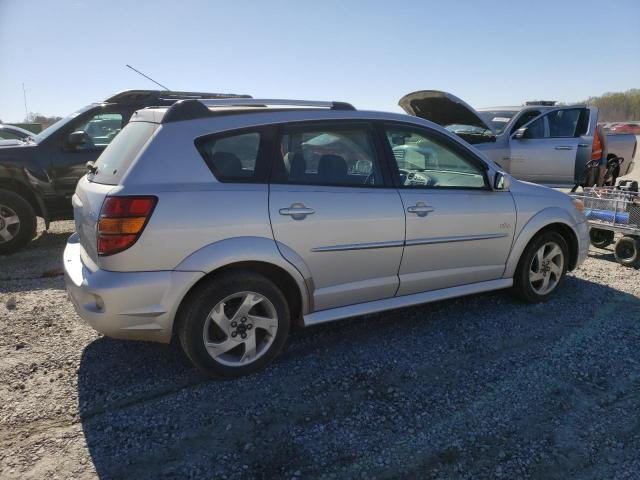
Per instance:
(70,53)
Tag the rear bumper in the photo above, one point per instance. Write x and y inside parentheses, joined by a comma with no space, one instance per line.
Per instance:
(127,305)
(582,232)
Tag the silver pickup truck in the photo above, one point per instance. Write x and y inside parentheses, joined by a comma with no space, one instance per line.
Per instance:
(538,142)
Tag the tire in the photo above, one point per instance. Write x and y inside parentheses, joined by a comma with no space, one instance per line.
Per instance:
(601,238)
(530,267)
(627,251)
(17,222)
(213,312)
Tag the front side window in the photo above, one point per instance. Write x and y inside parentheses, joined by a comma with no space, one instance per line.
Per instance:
(100,130)
(525,118)
(331,155)
(9,135)
(232,158)
(557,124)
(427,162)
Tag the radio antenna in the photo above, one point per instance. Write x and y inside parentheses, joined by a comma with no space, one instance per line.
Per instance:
(147,77)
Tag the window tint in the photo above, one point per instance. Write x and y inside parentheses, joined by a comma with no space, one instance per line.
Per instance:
(232,158)
(100,130)
(556,124)
(424,161)
(329,156)
(115,160)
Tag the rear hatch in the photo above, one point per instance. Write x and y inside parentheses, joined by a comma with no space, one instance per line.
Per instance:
(450,112)
(109,170)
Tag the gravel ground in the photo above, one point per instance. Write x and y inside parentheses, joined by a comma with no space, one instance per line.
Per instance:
(478,387)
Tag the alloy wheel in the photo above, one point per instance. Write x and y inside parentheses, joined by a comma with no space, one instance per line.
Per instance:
(9,224)
(546,268)
(240,328)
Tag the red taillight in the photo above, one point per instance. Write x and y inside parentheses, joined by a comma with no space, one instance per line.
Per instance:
(122,220)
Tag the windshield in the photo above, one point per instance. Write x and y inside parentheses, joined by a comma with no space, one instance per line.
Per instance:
(59,124)
(497,119)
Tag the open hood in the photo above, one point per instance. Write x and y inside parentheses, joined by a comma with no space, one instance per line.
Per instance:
(442,108)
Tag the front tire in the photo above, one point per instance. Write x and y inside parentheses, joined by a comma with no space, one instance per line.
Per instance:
(542,268)
(17,222)
(234,324)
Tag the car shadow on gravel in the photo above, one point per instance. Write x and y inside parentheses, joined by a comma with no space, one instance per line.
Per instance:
(467,385)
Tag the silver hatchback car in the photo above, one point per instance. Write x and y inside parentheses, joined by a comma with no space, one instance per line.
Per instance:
(226,222)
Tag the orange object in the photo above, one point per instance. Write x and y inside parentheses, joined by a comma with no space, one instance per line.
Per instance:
(596,147)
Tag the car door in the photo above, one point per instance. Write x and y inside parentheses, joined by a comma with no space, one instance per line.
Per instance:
(332,206)
(458,230)
(545,150)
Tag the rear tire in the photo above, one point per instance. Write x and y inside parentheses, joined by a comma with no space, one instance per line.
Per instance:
(627,251)
(18,222)
(542,268)
(234,324)
(601,238)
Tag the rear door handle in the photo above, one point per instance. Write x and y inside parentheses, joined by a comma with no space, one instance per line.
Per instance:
(421,209)
(583,145)
(564,147)
(297,211)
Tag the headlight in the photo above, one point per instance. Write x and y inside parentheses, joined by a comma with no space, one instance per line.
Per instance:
(578,204)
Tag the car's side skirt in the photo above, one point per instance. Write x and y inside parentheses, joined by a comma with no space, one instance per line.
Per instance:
(339,313)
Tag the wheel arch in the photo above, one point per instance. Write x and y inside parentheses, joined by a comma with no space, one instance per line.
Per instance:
(253,254)
(25,192)
(552,219)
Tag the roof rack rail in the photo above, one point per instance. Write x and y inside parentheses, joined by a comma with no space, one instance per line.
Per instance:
(136,96)
(198,108)
(263,102)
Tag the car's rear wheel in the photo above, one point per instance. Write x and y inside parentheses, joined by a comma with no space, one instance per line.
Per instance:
(627,251)
(17,222)
(542,268)
(601,238)
(234,324)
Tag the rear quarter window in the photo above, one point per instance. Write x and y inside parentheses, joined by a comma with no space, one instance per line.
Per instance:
(235,157)
(118,156)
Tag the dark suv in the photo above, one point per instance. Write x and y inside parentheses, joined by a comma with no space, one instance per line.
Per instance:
(39,175)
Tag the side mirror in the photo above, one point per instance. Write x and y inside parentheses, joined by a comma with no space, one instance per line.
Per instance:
(77,140)
(501,181)
(521,133)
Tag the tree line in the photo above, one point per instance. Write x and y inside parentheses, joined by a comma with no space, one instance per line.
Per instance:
(617,106)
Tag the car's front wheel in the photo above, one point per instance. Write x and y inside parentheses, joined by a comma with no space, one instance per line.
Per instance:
(542,268)
(234,324)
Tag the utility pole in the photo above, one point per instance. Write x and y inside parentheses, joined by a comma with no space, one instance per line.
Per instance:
(26,110)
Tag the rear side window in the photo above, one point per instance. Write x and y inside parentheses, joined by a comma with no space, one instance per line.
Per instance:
(233,157)
(117,157)
(332,155)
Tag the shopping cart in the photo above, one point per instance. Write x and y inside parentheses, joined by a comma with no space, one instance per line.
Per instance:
(611,211)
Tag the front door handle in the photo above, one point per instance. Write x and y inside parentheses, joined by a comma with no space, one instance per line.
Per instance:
(421,209)
(564,147)
(297,211)
(583,145)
